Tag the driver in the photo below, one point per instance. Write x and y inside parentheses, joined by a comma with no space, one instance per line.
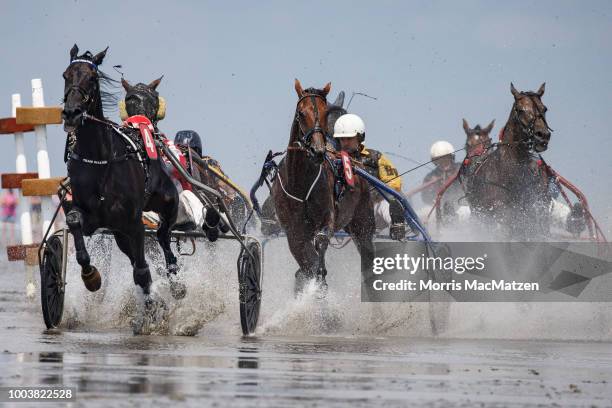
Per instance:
(349,130)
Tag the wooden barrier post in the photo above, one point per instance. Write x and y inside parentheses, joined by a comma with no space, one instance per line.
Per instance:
(42,156)
(25,221)
(28,119)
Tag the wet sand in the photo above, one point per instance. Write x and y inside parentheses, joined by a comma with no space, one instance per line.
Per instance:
(294,360)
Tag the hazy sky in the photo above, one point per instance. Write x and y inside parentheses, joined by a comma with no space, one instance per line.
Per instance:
(229,68)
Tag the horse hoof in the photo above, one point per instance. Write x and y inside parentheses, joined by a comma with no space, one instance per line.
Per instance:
(178,290)
(91,278)
(173,269)
(142,278)
(322,287)
(301,280)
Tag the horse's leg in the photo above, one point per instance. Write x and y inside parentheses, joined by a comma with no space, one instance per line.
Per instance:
(89,273)
(123,242)
(134,244)
(305,255)
(362,229)
(163,237)
(168,215)
(321,242)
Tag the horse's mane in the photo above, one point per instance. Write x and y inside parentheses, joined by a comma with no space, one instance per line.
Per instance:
(108,88)
(530,93)
(315,91)
(108,93)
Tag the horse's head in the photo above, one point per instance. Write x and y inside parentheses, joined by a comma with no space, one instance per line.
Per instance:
(478,139)
(530,116)
(311,120)
(142,99)
(81,87)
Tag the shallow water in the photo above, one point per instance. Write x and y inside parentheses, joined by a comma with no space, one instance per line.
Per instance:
(307,352)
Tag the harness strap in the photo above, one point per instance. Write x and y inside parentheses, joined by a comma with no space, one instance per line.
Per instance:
(76,157)
(280,180)
(135,153)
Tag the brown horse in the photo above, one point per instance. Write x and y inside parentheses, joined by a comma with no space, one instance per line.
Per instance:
(305,199)
(478,140)
(510,185)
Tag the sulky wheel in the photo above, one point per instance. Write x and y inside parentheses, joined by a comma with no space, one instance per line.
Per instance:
(249,281)
(51,285)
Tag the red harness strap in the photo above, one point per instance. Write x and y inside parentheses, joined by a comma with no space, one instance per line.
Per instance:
(144,125)
(446,186)
(594,229)
(181,157)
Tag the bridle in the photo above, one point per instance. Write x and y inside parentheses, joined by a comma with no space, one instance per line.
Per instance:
(529,128)
(85,96)
(305,137)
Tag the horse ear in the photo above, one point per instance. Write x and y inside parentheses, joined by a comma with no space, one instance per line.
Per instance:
(298,88)
(74,52)
(339,99)
(327,88)
(154,84)
(489,128)
(126,85)
(514,91)
(99,57)
(541,90)
(466,127)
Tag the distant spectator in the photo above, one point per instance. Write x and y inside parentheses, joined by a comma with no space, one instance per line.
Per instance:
(8,202)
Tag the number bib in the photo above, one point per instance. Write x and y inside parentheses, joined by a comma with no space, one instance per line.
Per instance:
(144,125)
(349,176)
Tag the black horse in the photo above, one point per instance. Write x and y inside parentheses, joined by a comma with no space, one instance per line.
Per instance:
(112,182)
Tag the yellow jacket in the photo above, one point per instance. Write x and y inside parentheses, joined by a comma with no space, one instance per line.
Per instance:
(380,166)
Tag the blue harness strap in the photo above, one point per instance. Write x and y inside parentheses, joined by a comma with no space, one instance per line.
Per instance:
(409,214)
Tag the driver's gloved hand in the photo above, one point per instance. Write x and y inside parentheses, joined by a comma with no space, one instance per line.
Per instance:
(397,231)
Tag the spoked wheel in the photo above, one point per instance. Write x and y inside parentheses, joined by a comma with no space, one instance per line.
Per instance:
(51,284)
(249,280)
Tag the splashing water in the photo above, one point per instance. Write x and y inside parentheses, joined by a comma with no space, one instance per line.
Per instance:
(211,304)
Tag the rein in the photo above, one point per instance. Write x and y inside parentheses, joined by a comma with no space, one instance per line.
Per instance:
(301,200)
(117,128)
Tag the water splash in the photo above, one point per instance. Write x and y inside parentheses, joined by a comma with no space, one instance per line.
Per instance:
(211,304)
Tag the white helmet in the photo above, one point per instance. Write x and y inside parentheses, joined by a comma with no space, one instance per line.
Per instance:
(349,125)
(441,148)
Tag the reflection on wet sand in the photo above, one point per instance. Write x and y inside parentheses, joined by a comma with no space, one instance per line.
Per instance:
(112,367)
